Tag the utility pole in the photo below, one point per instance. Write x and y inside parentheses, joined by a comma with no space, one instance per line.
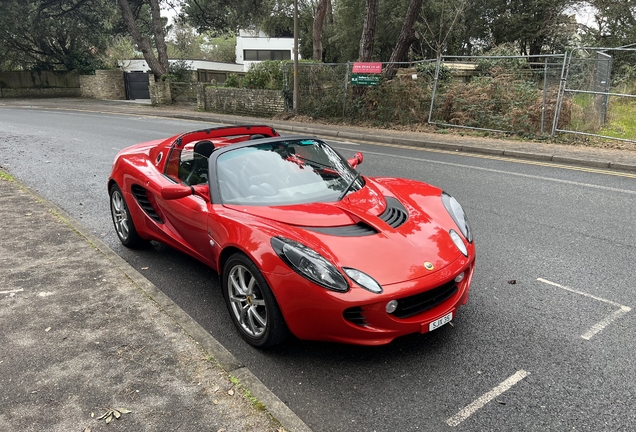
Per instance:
(295,57)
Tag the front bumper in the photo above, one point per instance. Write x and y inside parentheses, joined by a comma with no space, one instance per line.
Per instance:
(359,316)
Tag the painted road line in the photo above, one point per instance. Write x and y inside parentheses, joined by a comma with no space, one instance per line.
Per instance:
(478,403)
(508,159)
(536,177)
(12,291)
(599,326)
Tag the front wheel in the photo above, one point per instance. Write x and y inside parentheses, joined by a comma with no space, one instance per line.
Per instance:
(251,303)
(124,226)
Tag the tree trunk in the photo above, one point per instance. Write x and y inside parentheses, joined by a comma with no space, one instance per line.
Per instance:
(406,38)
(368,31)
(319,22)
(158,67)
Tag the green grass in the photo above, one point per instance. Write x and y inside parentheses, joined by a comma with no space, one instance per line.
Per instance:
(621,120)
(5,176)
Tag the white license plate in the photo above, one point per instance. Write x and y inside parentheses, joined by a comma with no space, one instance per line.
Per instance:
(440,322)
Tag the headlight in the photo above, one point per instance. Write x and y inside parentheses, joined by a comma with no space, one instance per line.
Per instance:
(309,264)
(457,213)
(458,242)
(363,279)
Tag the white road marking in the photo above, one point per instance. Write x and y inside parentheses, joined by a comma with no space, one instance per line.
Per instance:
(478,403)
(12,291)
(599,326)
(536,177)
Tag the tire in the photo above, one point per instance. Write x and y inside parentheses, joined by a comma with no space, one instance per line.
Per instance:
(124,226)
(251,304)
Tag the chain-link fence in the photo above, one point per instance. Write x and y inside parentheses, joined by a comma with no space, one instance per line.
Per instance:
(514,94)
(594,96)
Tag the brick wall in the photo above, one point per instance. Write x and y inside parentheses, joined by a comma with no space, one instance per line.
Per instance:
(251,102)
(105,84)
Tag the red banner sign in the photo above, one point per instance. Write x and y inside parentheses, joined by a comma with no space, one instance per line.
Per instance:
(367,68)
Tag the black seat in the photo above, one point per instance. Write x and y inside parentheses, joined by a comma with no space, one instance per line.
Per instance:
(202,151)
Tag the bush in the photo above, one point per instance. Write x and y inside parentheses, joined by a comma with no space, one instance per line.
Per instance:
(265,75)
(179,71)
(428,70)
(232,80)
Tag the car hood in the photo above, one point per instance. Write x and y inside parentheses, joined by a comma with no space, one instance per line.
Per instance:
(354,232)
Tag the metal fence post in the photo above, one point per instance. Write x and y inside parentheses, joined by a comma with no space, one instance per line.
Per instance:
(545,92)
(561,94)
(430,112)
(346,85)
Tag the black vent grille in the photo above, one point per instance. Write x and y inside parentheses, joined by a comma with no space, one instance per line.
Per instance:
(395,214)
(358,230)
(418,303)
(141,195)
(356,316)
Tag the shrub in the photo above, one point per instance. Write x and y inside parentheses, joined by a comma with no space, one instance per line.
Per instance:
(232,80)
(265,75)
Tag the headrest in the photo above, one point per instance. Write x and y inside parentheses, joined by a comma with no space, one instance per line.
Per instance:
(204,148)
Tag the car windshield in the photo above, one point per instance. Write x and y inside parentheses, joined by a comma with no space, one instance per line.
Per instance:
(285,173)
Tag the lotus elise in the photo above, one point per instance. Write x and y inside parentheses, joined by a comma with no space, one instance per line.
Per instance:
(303,243)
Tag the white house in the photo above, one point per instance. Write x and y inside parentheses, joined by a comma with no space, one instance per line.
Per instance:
(253,46)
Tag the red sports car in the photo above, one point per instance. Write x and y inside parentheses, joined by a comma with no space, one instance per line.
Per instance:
(302,241)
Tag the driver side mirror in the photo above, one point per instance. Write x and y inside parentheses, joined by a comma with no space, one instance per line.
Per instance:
(356,160)
(175,191)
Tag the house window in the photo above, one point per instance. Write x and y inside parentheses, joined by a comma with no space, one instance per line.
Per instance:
(260,55)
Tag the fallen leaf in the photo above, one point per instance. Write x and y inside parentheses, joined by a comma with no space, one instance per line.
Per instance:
(123,410)
(501,402)
(512,281)
(144,268)
(230,392)
(116,413)
(109,418)
(216,402)
(48,329)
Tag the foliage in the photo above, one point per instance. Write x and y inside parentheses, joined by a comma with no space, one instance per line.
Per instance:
(120,49)
(500,102)
(179,71)
(56,34)
(221,49)
(232,80)
(428,69)
(264,75)
(409,103)
(221,16)
(496,65)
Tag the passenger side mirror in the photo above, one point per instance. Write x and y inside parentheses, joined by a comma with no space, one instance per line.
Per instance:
(356,160)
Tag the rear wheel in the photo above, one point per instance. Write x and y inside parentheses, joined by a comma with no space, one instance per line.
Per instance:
(252,305)
(124,226)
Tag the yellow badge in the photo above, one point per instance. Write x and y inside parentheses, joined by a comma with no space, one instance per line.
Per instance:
(428,266)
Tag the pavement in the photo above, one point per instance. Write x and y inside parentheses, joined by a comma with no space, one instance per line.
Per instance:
(89,344)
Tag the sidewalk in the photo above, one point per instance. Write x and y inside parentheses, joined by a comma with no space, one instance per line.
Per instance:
(83,334)
(563,154)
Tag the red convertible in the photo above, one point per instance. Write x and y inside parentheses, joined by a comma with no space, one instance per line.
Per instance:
(304,244)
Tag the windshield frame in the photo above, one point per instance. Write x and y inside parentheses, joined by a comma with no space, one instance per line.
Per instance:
(213,178)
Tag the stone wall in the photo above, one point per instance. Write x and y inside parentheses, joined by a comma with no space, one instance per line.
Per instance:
(160,93)
(251,102)
(105,84)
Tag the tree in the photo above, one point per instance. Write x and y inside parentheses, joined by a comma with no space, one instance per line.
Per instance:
(55,34)
(319,22)
(406,38)
(368,30)
(533,25)
(222,16)
(158,64)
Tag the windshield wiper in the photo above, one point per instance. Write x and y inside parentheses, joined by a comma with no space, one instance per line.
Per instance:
(310,161)
(344,192)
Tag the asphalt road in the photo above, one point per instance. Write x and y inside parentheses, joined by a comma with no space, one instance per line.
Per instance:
(552,351)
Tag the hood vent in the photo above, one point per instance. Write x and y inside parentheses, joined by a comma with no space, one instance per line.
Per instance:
(395,214)
(141,195)
(358,230)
